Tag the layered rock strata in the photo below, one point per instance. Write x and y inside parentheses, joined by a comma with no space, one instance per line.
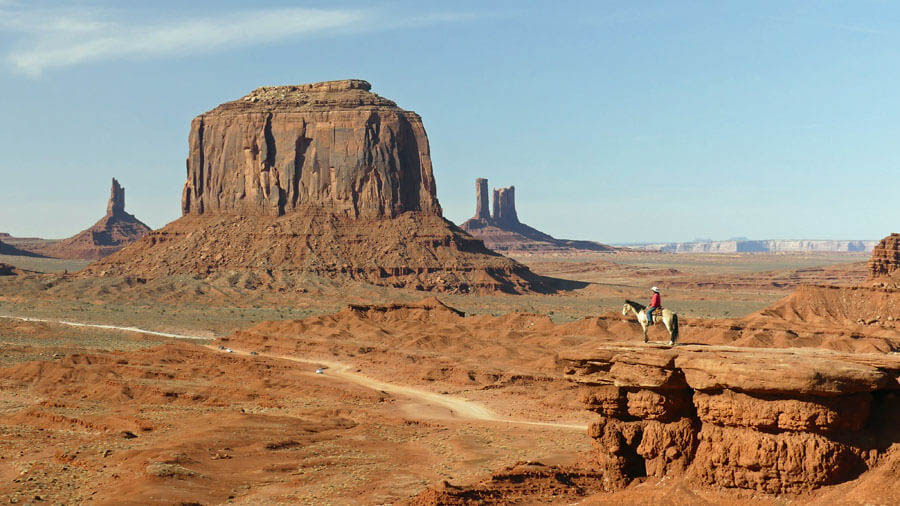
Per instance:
(111,233)
(774,421)
(327,179)
(333,144)
(885,259)
(502,231)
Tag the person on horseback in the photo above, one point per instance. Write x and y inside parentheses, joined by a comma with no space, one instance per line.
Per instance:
(655,303)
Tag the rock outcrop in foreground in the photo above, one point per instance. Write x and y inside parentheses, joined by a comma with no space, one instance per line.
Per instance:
(113,232)
(885,260)
(502,231)
(327,179)
(768,420)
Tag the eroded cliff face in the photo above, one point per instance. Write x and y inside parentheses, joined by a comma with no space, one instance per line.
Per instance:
(886,257)
(766,420)
(333,144)
(324,179)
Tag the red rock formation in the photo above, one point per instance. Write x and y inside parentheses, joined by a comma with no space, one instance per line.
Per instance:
(333,144)
(326,179)
(113,232)
(772,421)
(502,231)
(505,207)
(482,211)
(886,257)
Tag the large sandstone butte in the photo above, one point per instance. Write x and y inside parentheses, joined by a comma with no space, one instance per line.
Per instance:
(767,420)
(885,260)
(111,233)
(327,179)
(502,231)
(333,144)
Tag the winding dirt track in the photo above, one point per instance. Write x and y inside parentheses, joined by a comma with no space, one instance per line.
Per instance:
(459,408)
(110,327)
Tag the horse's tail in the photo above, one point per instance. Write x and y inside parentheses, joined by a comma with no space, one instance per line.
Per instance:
(674,327)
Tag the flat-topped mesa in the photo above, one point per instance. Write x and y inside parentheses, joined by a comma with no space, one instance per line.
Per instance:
(886,257)
(332,145)
(116,205)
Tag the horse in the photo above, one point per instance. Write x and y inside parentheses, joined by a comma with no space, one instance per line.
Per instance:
(669,319)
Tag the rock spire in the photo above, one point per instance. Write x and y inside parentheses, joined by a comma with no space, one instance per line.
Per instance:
(116,205)
(482,211)
(502,231)
(505,206)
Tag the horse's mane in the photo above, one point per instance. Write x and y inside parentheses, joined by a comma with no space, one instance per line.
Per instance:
(637,306)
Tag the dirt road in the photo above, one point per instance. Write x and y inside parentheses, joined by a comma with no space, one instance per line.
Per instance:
(459,408)
(110,327)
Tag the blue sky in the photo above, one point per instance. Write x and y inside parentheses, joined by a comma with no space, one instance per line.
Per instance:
(616,121)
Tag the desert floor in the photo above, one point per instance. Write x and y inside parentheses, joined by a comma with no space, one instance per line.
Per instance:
(234,410)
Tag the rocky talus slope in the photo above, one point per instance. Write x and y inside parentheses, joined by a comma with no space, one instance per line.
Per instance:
(111,233)
(325,179)
(501,230)
(774,421)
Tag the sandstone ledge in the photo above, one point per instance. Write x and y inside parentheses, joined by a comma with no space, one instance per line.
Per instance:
(771,420)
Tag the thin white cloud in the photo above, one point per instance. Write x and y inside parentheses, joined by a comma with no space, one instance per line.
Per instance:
(66,37)
(846,27)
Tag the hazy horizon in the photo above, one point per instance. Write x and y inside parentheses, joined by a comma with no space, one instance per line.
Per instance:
(615,123)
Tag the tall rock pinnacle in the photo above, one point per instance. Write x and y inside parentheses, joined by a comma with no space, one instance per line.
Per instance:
(482,210)
(116,205)
(502,231)
(112,233)
(505,206)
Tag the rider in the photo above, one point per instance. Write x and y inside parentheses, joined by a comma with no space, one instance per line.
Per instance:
(655,303)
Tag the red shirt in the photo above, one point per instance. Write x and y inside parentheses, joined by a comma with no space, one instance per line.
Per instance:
(655,300)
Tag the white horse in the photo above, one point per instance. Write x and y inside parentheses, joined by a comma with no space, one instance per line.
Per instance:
(669,319)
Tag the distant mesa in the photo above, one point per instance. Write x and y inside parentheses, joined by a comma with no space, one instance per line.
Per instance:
(113,232)
(743,245)
(327,179)
(501,230)
(9,249)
